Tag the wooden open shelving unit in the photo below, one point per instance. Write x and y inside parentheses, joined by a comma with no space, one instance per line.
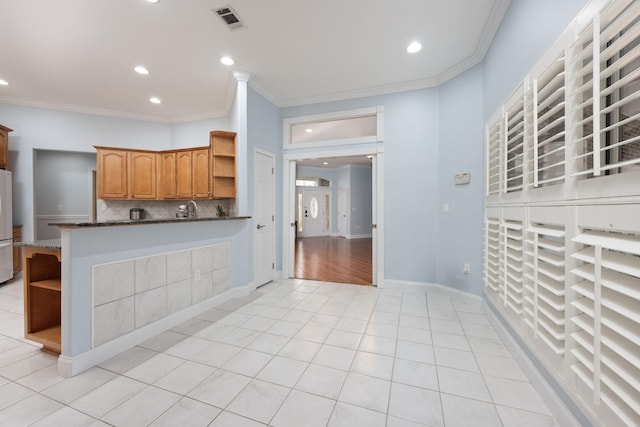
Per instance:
(223,155)
(42,297)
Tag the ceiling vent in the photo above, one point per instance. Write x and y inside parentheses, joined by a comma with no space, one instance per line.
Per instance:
(229,17)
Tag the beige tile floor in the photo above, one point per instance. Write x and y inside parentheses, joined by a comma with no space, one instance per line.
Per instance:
(292,354)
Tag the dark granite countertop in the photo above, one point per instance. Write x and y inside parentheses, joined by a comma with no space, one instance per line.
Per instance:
(40,244)
(143,221)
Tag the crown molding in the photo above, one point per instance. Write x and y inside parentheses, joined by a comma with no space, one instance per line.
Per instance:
(105,112)
(362,93)
(36,103)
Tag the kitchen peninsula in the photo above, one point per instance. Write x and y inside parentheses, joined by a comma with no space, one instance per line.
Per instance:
(123,282)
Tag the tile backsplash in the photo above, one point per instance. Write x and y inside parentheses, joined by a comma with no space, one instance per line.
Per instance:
(115,210)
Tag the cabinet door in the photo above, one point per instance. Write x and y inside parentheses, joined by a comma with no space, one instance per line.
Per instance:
(183,175)
(4,149)
(112,174)
(167,176)
(142,175)
(200,174)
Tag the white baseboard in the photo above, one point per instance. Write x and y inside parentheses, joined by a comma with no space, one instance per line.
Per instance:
(430,287)
(70,366)
(359,236)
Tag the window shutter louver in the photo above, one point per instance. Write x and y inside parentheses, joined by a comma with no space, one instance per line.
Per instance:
(549,125)
(514,144)
(513,263)
(582,101)
(608,336)
(492,255)
(544,286)
(494,158)
(610,144)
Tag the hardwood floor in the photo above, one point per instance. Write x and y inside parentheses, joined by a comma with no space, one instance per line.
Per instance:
(334,259)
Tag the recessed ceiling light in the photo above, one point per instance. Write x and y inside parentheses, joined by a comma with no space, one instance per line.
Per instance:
(3,82)
(414,47)
(153,1)
(325,163)
(308,130)
(155,100)
(227,60)
(141,70)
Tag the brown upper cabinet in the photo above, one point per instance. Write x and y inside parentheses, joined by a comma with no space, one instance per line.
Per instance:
(4,147)
(167,176)
(200,174)
(126,174)
(112,173)
(142,175)
(193,173)
(183,175)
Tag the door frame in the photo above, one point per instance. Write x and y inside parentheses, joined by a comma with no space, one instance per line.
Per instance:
(273,203)
(289,199)
(345,192)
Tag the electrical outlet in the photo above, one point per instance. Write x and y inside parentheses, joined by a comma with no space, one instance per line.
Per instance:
(196,275)
(445,208)
(466,268)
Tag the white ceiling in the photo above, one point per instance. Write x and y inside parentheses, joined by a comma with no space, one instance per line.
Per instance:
(79,55)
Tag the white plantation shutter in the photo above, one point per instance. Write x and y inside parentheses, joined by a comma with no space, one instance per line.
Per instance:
(514,129)
(513,264)
(549,125)
(582,101)
(608,320)
(492,252)
(608,53)
(545,284)
(562,211)
(620,89)
(494,158)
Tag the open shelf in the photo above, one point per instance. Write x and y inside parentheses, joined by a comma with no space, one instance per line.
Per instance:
(43,297)
(51,284)
(50,338)
(223,160)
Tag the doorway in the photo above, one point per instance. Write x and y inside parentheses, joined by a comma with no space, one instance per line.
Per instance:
(335,135)
(334,207)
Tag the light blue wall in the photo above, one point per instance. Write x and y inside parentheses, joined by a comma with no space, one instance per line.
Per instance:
(528,29)
(461,150)
(265,133)
(424,146)
(196,134)
(360,201)
(37,128)
(63,182)
(411,189)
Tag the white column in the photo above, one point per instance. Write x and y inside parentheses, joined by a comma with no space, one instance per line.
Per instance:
(240,119)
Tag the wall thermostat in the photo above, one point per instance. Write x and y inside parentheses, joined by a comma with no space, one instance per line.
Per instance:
(462,178)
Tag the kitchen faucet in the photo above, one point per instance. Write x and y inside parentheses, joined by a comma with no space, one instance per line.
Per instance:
(192,209)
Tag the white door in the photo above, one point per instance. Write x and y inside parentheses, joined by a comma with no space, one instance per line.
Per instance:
(264,217)
(316,212)
(342,212)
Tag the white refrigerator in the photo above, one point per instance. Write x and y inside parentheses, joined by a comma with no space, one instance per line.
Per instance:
(6,232)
